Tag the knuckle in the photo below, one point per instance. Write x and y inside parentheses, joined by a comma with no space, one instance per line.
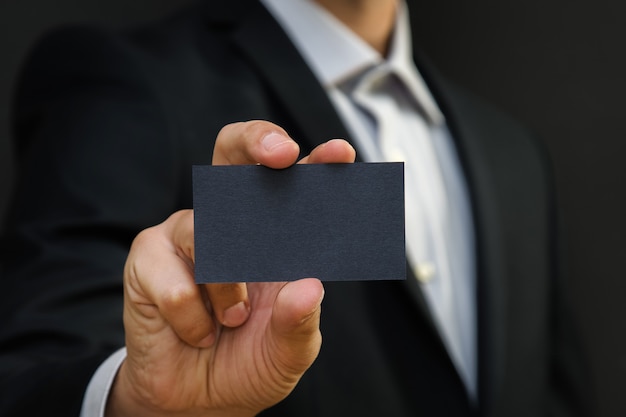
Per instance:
(256,129)
(144,237)
(140,246)
(178,297)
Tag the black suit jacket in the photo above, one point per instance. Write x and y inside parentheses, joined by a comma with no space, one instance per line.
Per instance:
(108,127)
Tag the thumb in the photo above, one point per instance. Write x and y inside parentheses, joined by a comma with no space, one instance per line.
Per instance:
(295,324)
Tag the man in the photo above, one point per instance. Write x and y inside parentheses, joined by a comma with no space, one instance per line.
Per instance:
(108,127)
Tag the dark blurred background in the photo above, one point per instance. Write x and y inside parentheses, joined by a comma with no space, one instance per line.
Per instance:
(557,65)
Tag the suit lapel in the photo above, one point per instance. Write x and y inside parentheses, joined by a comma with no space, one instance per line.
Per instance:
(474,140)
(263,42)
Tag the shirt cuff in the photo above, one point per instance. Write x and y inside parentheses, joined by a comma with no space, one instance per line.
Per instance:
(95,399)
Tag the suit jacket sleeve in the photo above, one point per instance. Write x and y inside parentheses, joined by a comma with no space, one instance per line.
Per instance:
(89,178)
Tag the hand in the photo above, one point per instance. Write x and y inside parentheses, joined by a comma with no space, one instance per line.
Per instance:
(215,349)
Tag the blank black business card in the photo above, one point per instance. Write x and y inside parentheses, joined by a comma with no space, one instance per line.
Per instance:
(335,222)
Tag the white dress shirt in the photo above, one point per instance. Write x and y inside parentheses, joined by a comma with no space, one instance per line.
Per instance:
(363,85)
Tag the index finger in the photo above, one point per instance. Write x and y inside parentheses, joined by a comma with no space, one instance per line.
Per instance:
(255,142)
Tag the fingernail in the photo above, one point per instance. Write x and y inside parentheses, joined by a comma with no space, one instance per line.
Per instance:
(236,315)
(274,140)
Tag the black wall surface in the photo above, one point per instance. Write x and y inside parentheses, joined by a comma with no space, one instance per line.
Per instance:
(558,65)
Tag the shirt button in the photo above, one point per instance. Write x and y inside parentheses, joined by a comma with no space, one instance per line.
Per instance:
(425,272)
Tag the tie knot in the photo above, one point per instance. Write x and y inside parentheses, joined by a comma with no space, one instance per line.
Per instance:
(375,80)
(370,80)
(382,82)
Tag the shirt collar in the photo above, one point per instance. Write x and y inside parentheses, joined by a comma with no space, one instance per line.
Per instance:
(336,54)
